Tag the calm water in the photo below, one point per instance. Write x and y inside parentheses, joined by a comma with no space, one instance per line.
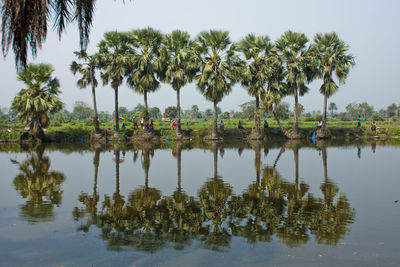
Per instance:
(241,204)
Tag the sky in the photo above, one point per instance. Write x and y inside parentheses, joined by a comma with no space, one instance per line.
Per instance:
(370,28)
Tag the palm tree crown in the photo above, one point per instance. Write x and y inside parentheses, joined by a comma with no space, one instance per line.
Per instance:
(24,23)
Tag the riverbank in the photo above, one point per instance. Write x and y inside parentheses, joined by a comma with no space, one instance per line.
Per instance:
(68,134)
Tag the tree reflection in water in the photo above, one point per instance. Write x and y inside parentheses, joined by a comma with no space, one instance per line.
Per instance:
(41,186)
(270,206)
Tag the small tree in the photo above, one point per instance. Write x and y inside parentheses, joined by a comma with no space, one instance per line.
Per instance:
(39,99)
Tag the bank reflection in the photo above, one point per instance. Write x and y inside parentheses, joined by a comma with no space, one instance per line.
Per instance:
(271,206)
(40,186)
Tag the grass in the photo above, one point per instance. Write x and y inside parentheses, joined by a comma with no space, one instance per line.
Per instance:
(75,130)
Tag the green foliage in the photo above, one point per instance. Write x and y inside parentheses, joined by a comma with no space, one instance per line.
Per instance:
(377,117)
(170,112)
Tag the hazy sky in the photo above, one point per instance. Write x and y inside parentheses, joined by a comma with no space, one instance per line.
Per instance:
(370,28)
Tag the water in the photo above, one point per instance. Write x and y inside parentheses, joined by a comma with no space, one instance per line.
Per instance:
(239,204)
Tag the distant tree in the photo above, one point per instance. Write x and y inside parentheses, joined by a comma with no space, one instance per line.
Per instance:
(300,109)
(282,110)
(208,113)
(365,109)
(105,116)
(332,108)
(248,109)
(170,112)
(39,99)
(392,110)
(155,113)
(362,109)
(62,116)
(195,112)
(139,108)
(81,110)
(123,110)
(225,115)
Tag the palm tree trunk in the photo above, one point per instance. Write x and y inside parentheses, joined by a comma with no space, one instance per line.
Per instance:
(178,113)
(283,129)
(256,134)
(214,131)
(146,111)
(96,116)
(296,115)
(323,128)
(116,117)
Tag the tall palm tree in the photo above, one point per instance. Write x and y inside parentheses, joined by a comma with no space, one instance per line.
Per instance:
(181,66)
(113,62)
(256,50)
(88,71)
(330,55)
(146,64)
(39,98)
(293,51)
(218,67)
(24,23)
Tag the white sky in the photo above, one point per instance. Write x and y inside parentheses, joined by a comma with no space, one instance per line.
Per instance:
(371,28)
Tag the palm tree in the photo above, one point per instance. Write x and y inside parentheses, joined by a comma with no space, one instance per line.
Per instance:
(181,67)
(146,64)
(24,23)
(292,49)
(87,69)
(39,98)
(256,50)
(113,62)
(276,89)
(330,56)
(218,67)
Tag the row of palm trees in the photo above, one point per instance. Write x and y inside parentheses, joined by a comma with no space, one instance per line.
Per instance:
(144,58)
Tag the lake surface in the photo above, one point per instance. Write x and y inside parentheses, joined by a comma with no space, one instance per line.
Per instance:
(236,204)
